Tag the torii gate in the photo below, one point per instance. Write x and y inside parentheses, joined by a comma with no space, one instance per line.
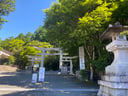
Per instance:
(35,75)
(50,49)
(62,59)
(42,69)
(69,59)
(34,58)
(81,56)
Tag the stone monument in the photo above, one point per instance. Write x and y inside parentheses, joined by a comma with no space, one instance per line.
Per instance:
(81,58)
(115,82)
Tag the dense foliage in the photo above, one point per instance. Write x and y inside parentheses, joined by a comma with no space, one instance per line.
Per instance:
(21,46)
(6,6)
(77,23)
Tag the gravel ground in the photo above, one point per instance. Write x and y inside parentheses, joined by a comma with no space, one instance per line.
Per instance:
(7,68)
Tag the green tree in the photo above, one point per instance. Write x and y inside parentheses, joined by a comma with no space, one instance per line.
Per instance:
(39,44)
(23,59)
(29,49)
(40,34)
(6,6)
(62,20)
(11,60)
(121,13)
(21,36)
(51,62)
(26,38)
(77,23)
(90,26)
(5,42)
(15,45)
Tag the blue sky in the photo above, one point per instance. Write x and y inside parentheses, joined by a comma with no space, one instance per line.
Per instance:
(27,17)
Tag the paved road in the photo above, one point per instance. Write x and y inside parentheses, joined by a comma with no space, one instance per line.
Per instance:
(19,84)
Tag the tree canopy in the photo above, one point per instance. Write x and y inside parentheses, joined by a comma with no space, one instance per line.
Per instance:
(40,34)
(77,23)
(6,6)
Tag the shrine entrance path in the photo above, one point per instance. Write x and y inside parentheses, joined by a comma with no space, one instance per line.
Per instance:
(19,84)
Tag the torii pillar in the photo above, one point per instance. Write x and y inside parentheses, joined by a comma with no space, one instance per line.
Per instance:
(71,67)
(60,63)
(42,58)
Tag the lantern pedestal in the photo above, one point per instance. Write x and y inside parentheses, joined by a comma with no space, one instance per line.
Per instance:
(115,82)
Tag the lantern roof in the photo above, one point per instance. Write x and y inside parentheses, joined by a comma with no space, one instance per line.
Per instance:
(113,30)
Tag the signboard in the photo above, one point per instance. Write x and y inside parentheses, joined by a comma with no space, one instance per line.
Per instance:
(64,70)
(41,74)
(34,77)
(81,58)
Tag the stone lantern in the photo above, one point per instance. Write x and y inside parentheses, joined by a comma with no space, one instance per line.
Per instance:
(115,82)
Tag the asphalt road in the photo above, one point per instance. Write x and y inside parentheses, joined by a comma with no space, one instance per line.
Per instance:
(19,84)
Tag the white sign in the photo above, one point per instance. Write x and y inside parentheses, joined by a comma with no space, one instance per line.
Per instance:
(41,74)
(81,58)
(64,70)
(34,77)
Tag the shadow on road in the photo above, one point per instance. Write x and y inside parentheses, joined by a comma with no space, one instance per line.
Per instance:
(18,79)
(23,80)
(36,93)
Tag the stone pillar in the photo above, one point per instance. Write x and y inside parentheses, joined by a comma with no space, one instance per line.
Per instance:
(60,64)
(42,58)
(42,69)
(115,82)
(81,58)
(71,67)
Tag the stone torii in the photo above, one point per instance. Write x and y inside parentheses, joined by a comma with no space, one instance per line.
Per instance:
(42,69)
(60,52)
(69,59)
(33,58)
